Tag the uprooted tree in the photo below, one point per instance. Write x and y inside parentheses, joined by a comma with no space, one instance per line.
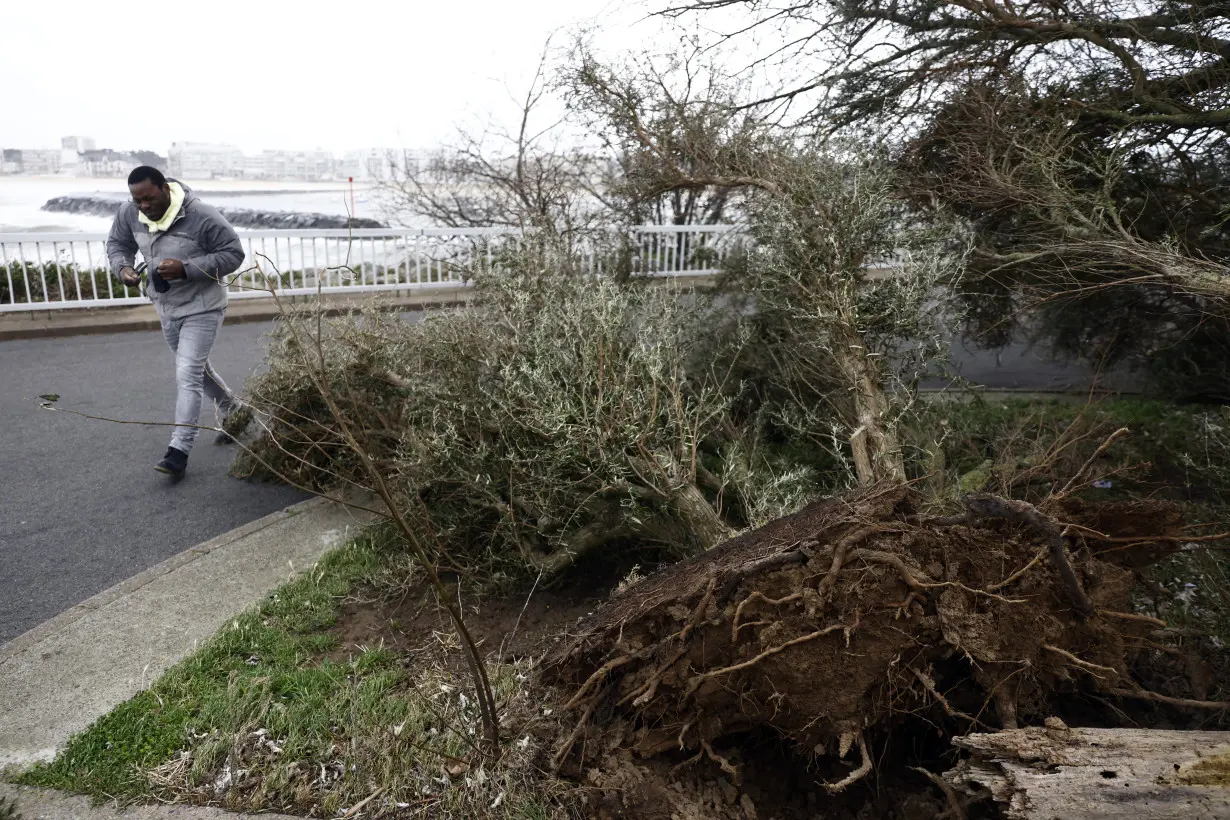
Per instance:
(842,347)
(834,627)
(559,416)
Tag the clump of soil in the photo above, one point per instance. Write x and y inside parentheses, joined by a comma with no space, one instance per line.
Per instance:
(835,631)
(508,626)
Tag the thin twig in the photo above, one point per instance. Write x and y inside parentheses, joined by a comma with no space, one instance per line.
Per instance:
(1080,474)
(1014,576)
(955,806)
(735,626)
(1144,694)
(1132,616)
(929,685)
(513,635)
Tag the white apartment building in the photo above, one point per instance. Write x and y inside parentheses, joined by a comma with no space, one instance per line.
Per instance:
(307,166)
(371,164)
(78,144)
(40,161)
(200,160)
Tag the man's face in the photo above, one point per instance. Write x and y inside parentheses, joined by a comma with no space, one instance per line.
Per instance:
(151,199)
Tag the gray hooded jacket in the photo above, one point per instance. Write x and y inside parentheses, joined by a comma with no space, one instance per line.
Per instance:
(199,237)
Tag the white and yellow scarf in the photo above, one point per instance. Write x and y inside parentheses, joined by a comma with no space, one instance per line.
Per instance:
(177,202)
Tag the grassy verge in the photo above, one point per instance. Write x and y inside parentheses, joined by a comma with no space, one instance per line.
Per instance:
(267,716)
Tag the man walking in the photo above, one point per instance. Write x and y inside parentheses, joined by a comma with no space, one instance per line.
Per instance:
(188,249)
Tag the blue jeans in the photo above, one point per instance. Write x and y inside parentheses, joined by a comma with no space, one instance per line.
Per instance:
(191,338)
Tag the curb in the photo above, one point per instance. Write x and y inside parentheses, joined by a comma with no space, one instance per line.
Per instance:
(65,322)
(52,804)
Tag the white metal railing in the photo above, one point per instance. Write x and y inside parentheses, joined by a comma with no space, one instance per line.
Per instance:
(41,271)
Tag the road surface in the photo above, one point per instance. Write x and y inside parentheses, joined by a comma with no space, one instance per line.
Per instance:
(81,507)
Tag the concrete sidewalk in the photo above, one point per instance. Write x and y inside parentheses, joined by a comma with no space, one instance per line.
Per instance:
(48,804)
(59,677)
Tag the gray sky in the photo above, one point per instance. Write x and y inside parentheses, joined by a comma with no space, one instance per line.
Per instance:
(277,73)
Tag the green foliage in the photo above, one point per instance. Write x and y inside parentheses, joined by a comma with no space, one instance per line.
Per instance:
(1181,451)
(556,415)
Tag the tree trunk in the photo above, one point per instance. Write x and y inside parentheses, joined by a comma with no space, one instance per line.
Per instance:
(877,453)
(1098,774)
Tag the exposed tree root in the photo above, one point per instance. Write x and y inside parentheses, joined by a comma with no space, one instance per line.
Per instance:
(796,629)
(695,682)
(956,808)
(858,774)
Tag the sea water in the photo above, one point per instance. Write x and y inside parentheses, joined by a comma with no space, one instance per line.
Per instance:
(22,199)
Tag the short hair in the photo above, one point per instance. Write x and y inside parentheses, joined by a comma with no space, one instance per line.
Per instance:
(147,173)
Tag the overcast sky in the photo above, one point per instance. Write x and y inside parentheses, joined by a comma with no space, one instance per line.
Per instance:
(276,73)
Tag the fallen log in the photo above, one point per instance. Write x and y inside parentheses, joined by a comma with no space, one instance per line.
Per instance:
(1042,773)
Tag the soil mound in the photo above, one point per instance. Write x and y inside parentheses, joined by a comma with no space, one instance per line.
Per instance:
(821,631)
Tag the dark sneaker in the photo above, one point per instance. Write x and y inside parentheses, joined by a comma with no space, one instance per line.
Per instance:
(173,463)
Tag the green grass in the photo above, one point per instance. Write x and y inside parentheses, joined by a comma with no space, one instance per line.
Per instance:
(276,644)
(262,718)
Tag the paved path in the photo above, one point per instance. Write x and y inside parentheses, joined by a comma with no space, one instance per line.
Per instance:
(80,506)
(1021,367)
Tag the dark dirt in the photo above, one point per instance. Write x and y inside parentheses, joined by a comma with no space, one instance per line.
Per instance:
(540,619)
(845,631)
(812,667)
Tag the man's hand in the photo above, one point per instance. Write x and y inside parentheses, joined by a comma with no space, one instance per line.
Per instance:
(170,269)
(130,277)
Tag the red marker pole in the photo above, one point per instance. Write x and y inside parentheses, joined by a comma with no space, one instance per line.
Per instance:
(352,214)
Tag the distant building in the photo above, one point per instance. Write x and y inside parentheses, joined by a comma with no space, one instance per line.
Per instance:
(108,163)
(307,166)
(254,168)
(372,164)
(78,144)
(39,162)
(198,160)
(68,161)
(10,161)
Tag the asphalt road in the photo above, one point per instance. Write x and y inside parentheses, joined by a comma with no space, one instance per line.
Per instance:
(81,507)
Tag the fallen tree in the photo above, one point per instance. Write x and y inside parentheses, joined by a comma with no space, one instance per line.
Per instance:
(825,628)
(1097,774)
